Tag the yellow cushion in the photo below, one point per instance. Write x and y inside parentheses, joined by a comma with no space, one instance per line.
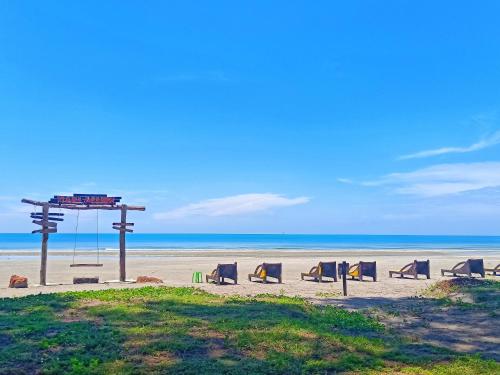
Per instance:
(263,273)
(320,271)
(355,272)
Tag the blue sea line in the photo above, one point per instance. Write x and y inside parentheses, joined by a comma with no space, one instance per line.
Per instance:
(65,241)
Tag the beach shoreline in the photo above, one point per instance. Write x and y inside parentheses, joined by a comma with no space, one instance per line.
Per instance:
(175,268)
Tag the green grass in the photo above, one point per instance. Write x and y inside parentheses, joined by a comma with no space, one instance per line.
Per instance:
(188,331)
(467,293)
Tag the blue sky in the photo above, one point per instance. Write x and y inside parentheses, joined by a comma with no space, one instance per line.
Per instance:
(264,117)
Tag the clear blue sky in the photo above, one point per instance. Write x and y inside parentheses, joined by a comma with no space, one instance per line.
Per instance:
(297,117)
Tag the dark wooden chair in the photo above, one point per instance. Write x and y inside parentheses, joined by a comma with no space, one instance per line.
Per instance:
(323,269)
(414,269)
(362,269)
(266,270)
(467,268)
(222,272)
(494,271)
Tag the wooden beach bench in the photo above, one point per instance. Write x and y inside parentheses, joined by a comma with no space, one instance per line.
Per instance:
(414,269)
(266,270)
(362,269)
(494,271)
(467,268)
(222,272)
(323,269)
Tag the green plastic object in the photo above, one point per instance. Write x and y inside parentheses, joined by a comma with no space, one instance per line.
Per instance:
(197,277)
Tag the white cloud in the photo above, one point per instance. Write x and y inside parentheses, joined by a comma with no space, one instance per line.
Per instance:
(493,140)
(233,205)
(345,180)
(444,179)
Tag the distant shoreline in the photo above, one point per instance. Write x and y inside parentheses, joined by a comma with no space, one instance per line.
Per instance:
(138,253)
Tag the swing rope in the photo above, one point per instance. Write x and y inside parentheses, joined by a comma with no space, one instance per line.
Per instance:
(97,244)
(97,236)
(76,234)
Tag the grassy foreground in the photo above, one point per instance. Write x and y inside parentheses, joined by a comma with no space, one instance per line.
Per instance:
(188,331)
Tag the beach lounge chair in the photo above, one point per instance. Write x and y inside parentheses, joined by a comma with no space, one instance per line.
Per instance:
(467,268)
(222,272)
(414,269)
(362,269)
(323,269)
(266,270)
(494,271)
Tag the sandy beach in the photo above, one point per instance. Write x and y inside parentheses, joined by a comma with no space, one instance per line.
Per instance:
(175,268)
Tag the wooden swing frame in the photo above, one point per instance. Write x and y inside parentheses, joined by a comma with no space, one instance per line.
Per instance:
(46,229)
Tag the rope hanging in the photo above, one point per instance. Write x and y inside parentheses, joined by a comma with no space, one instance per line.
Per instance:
(76,233)
(97,235)
(97,264)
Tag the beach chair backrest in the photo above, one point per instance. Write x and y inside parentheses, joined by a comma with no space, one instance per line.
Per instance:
(227,270)
(368,268)
(272,269)
(328,269)
(476,265)
(422,267)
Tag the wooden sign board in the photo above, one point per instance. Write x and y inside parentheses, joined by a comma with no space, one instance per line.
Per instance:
(85,199)
(123,229)
(123,224)
(45,223)
(50,213)
(45,231)
(40,217)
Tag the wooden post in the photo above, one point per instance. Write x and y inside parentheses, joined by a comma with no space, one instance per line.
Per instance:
(45,239)
(122,243)
(344,277)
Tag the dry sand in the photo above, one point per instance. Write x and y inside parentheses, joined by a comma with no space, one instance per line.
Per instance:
(176,268)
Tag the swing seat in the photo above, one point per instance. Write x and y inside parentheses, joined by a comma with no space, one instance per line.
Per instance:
(86,265)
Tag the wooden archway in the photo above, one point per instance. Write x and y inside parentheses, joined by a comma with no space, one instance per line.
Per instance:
(48,221)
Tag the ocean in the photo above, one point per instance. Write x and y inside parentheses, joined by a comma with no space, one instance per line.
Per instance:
(84,241)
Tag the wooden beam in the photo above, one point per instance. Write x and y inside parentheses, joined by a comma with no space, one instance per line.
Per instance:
(126,224)
(122,243)
(45,240)
(83,207)
(45,223)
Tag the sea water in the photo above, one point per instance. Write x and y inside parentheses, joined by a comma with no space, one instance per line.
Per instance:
(153,241)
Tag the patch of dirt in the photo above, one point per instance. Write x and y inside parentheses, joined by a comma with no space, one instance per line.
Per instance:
(461,330)
(160,358)
(471,328)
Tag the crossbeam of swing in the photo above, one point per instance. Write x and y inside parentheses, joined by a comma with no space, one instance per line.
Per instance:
(83,207)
